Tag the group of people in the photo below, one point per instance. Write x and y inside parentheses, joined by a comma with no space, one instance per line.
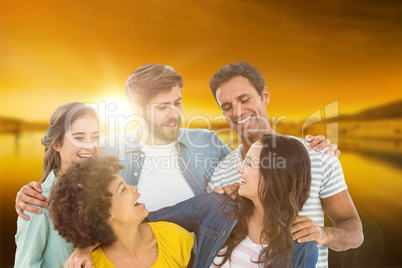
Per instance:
(264,212)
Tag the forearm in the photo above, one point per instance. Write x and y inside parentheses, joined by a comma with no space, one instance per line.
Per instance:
(183,213)
(345,235)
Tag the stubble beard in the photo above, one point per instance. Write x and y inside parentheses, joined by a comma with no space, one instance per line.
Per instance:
(165,135)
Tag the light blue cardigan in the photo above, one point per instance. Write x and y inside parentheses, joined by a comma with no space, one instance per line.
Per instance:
(38,244)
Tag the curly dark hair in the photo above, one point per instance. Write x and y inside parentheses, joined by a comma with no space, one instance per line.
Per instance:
(283,190)
(80,203)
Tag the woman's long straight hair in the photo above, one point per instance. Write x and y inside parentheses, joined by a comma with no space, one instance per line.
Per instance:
(60,123)
(283,189)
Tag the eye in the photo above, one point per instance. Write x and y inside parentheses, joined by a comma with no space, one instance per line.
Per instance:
(161,107)
(226,108)
(244,100)
(79,138)
(178,103)
(123,189)
(95,137)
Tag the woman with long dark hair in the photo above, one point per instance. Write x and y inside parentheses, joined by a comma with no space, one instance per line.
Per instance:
(276,178)
(255,230)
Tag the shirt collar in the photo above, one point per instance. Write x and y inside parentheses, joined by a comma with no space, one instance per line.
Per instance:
(134,144)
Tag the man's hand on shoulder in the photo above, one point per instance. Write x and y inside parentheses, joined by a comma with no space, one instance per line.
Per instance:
(230,190)
(320,142)
(304,229)
(30,193)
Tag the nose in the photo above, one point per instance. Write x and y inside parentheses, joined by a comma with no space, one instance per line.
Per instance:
(240,168)
(237,109)
(90,144)
(134,189)
(173,112)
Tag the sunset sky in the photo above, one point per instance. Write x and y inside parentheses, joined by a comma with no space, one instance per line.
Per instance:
(311,53)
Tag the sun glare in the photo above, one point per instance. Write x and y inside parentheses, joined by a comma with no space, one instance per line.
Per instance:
(115,115)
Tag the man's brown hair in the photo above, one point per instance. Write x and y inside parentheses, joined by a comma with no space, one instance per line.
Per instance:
(150,80)
(227,72)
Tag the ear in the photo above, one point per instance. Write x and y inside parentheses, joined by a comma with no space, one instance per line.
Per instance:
(56,146)
(265,95)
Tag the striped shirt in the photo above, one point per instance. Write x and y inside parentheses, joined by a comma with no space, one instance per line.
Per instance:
(243,256)
(326,180)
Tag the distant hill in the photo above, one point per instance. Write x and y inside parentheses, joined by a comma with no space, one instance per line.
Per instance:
(386,111)
(15,126)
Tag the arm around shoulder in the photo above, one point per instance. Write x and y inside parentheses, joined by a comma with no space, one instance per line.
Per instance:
(347,230)
(183,213)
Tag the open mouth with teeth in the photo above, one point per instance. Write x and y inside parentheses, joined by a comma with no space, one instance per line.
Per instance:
(243,181)
(83,156)
(171,125)
(245,121)
(138,204)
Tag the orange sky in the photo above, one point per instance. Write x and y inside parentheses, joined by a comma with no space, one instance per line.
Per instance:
(310,53)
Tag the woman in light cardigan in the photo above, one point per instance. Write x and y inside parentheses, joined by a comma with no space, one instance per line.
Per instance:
(72,136)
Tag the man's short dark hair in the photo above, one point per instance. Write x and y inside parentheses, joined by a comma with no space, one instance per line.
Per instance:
(150,80)
(227,72)
(80,202)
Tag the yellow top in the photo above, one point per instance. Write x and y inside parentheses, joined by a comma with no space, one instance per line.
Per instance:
(174,247)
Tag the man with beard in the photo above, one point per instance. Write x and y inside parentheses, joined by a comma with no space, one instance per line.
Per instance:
(168,164)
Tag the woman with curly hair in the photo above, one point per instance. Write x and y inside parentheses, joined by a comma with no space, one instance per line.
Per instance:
(72,136)
(92,205)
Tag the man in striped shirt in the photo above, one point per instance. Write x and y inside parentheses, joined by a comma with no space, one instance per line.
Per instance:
(242,95)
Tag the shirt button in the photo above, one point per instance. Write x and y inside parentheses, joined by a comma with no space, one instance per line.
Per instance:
(135,173)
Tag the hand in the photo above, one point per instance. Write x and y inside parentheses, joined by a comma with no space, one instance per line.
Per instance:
(230,190)
(81,257)
(321,142)
(304,229)
(30,193)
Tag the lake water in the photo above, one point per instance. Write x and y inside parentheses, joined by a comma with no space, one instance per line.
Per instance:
(374,184)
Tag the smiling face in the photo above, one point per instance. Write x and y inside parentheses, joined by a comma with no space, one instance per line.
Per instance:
(125,206)
(250,173)
(244,108)
(163,116)
(80,142)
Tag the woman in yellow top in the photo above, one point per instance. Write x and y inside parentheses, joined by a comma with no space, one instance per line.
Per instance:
(92,205)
